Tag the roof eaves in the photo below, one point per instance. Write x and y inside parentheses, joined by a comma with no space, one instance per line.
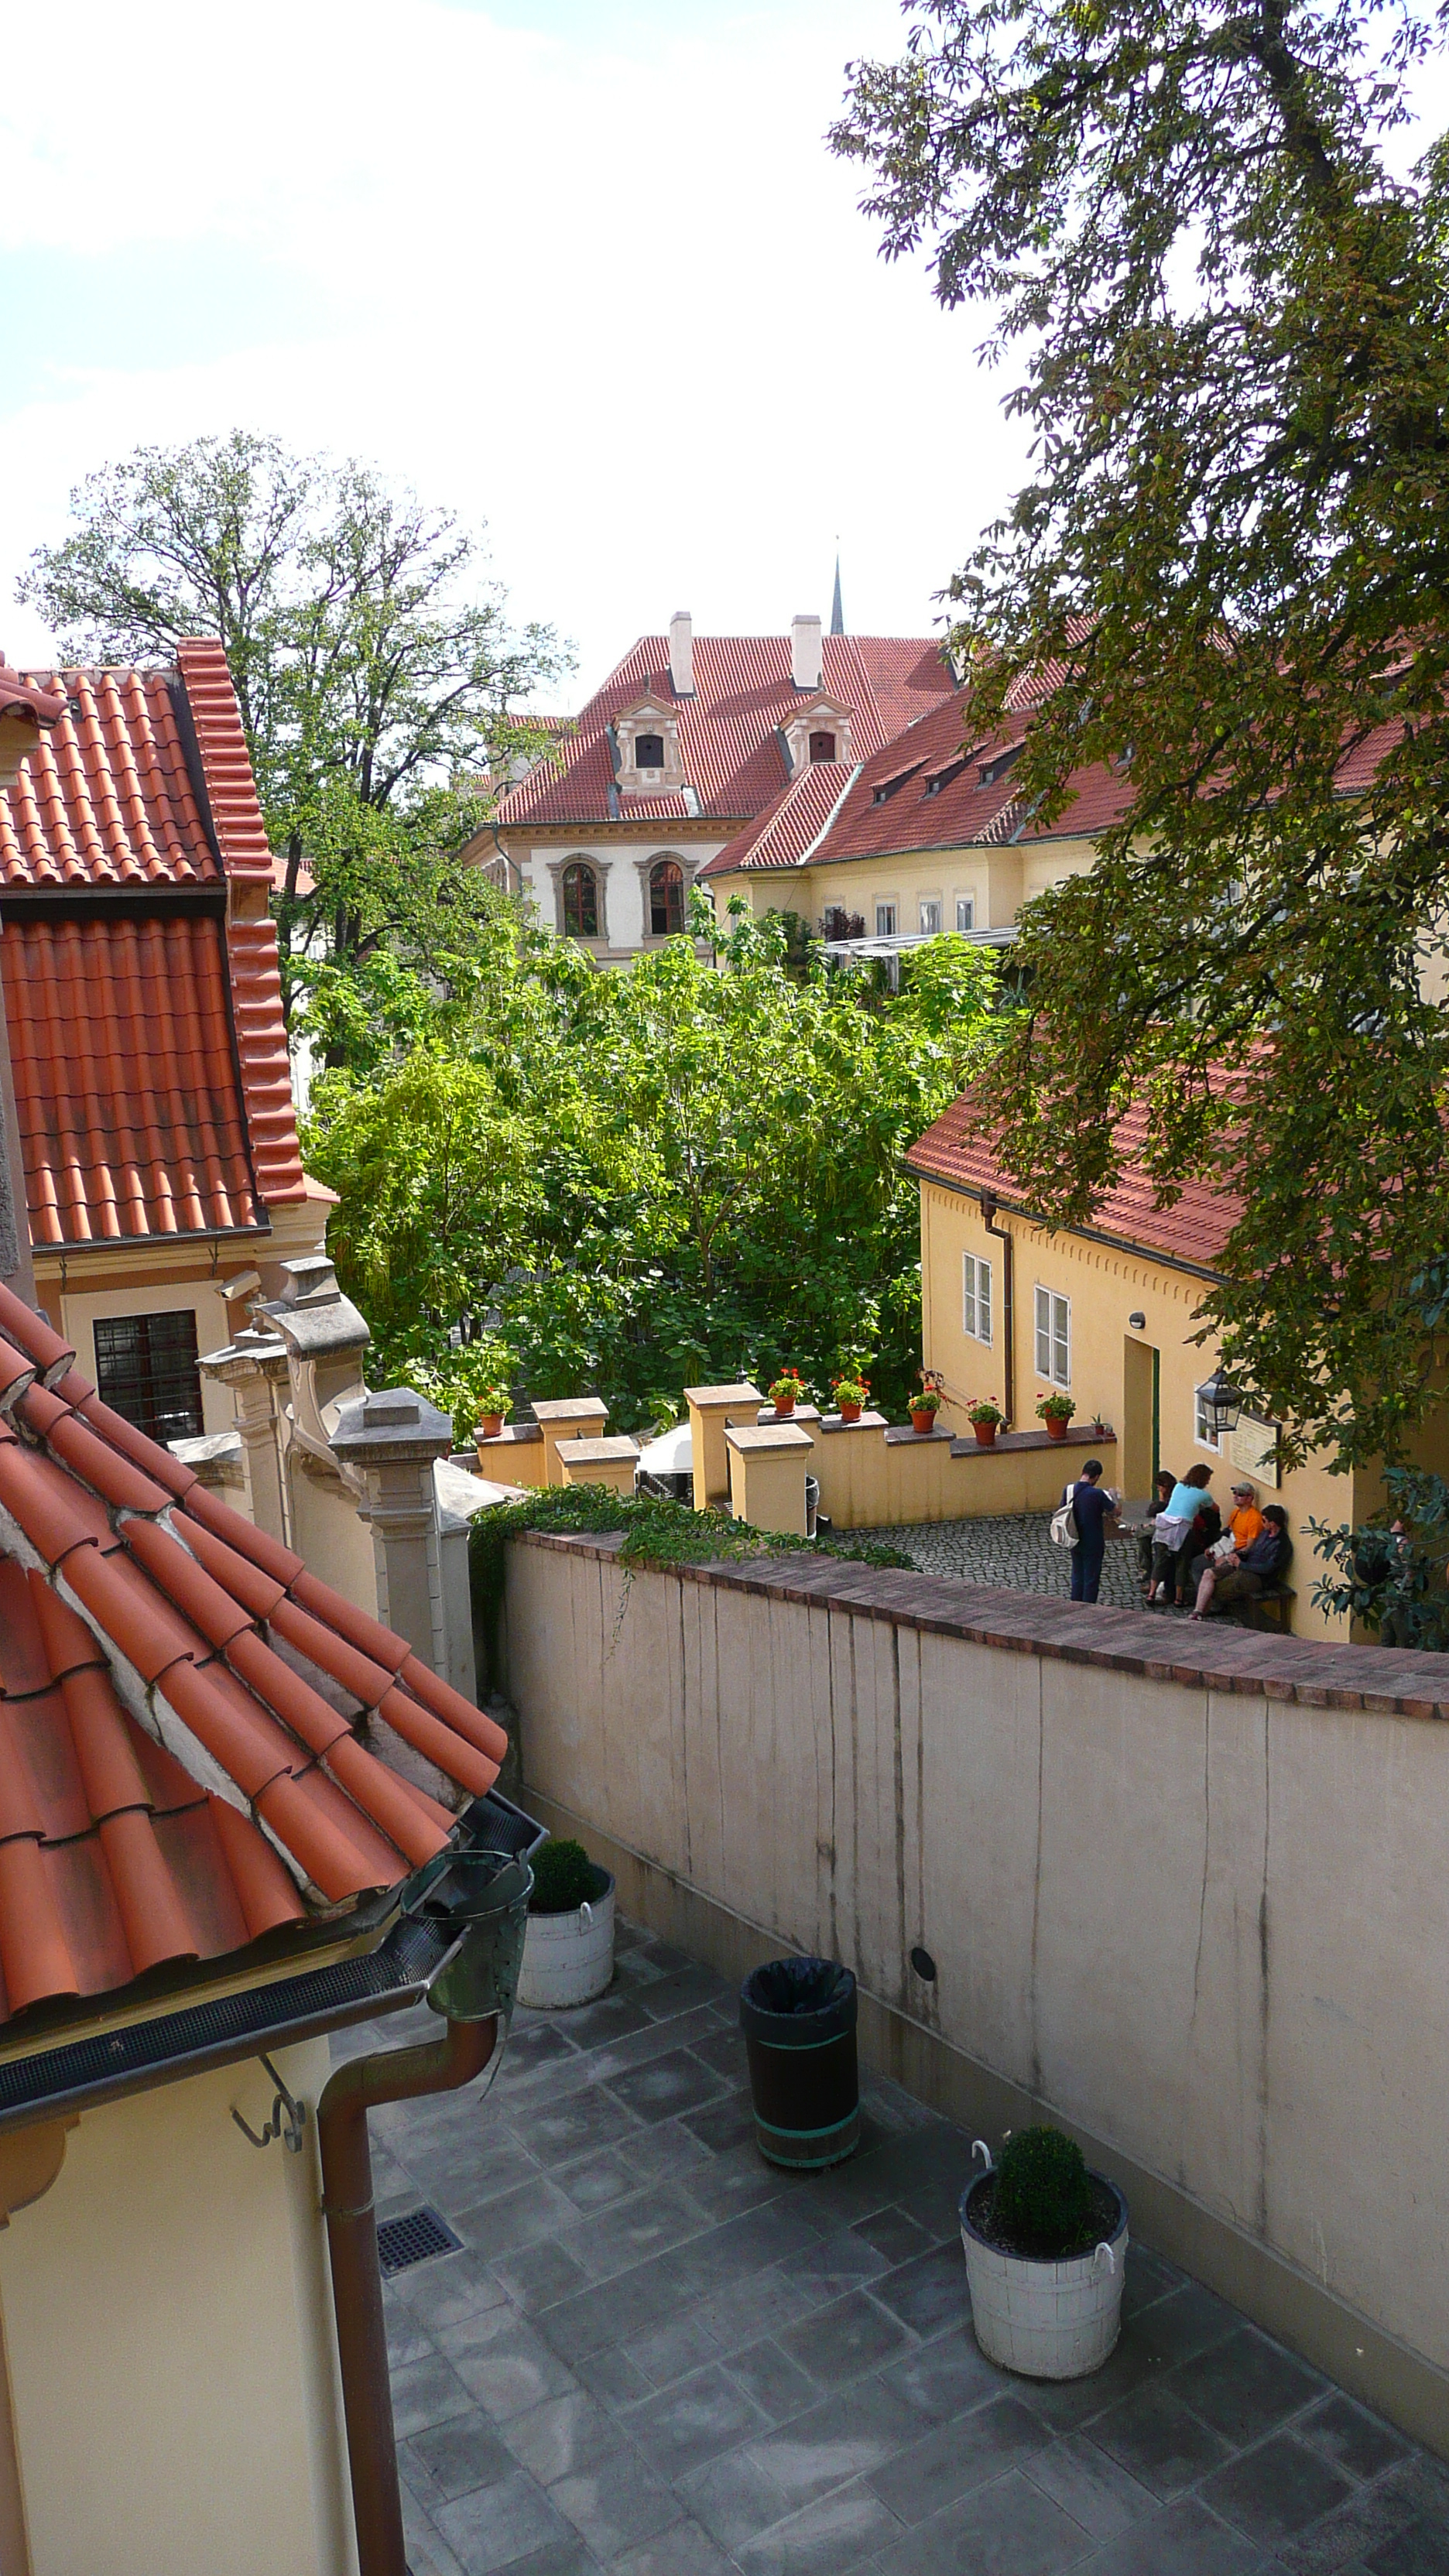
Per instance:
(808,854)
(1083,1233)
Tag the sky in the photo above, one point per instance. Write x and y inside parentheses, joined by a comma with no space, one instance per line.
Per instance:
(581,271)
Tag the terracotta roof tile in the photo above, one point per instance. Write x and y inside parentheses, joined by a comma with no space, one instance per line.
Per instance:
(244,1802)
(729,728)
(106,798)
(19,697)
(30,1333)
(958,1150)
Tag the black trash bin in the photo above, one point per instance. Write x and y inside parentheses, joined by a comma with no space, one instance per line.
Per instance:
(798,2017)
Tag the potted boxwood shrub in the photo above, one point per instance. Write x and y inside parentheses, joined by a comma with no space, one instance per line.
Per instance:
(926,1405)
(986,1420)
(1046,2250)
(568,1955)
(787,1390)
(1056,1412)
(851,1394)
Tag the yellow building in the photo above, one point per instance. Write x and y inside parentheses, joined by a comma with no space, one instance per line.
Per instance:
(928,834)
(1106,1314)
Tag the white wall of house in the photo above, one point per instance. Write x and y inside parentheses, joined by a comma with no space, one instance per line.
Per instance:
(622,869)
(168,2327)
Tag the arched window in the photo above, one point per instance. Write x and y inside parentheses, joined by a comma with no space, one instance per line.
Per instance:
(649,751)
(581,901)
(666,898)
(822,746)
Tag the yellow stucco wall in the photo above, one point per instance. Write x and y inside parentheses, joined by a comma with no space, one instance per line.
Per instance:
(168,2327)
(1110,1363)
(999,881)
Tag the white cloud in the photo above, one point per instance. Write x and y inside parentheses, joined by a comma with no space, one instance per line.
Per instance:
(610,292)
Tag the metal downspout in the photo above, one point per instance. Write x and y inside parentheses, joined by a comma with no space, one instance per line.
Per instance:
(396,2075)
(989,1206)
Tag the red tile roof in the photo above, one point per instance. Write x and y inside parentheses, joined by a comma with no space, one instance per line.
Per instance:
(959,1151)
(728,729)
(20,697)
(150,1054)
(200,1743)
(936,799)
(793,825)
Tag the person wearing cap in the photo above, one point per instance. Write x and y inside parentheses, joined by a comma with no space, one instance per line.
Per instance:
(1245,1523)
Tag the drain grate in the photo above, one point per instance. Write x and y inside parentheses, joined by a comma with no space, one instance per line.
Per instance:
(414,2238)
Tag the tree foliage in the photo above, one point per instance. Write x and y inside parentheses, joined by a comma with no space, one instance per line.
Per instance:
(1231,324)
(674,1175)
(373,668)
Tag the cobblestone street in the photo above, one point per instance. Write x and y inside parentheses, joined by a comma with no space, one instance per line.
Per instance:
(1013,1548)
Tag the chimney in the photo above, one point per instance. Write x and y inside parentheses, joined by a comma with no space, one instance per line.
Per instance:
(805,652)
(681,653)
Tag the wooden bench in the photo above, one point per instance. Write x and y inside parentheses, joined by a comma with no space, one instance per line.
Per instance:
(1270,1612)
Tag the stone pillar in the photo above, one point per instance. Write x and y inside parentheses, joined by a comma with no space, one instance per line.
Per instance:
(254,1366)
(768,1466)
(391,1440)
(571,1417)
(711,1410)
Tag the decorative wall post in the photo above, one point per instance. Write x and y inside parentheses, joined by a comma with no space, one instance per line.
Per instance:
(391,1440)
(254,1366)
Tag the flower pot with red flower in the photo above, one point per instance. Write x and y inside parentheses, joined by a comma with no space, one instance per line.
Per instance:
(786,1391)
(493,1402)
(1056,1412)
(926,1405)
(986,1420)
(851,1394)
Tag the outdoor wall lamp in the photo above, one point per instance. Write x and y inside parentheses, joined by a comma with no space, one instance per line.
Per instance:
(1220,1402)
(1137,1323)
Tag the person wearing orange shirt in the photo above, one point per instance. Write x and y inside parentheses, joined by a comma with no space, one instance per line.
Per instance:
(1245,1521)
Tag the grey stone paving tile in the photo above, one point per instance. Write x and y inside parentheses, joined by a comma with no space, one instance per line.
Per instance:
(1350,2437)
(500,2524)
(737,2178)
(560,2437)
(929,2293)
(507,2370)
(609,2375)
(673,2352)
(1006,2529)
(664,2086)
(1372,2515)
(659,2039)
(615,2239)
(461,2454)
(777,2385)
(850,2336)
(535,2044)
(957,2457)
(730,2122)
(893,2235)
(1149,2276)
(761,2304)
(1184,2539)
(837,2439)
(428,2553)
(407,2340)
(683,1990)
(694,2422)
(1245,2386)
(1089,2486)
(1182,2324)
(426,2392)
(456,2285)
(596,2181)
(462,2166)
(947,2377)
(560,2132)
(684,2550)
(725,2052)
(667,2153)
(1159,2441)
(734,2498)
(1071,2405)
(616,2504)
(1275,2491)
(663,1955)
(524,2216)
(838,2261)
(842,2531)
(538,2276)
(611,2017)
(1420,2549)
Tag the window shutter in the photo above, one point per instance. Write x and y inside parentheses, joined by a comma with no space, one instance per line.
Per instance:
(983,1301)
(968,1293)
(1062,1341)
(1044,1334)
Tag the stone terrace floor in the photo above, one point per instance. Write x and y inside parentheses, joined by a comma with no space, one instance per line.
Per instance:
(1013,1548)
(659,2357)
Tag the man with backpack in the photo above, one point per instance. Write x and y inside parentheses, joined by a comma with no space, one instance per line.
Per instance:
(1094,1509)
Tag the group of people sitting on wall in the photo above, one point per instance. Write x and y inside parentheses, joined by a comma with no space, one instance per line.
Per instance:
(1188,1555)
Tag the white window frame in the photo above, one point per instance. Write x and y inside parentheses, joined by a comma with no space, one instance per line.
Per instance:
(965,912)
(1203,1438)
(929,905)
(885,920)
(976,1298)
(1053,1317)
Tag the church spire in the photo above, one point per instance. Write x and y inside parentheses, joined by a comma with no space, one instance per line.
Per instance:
(837,613)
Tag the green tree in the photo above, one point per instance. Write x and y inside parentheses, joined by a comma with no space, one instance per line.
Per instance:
(374,668)
(1231,330)
(690,1171)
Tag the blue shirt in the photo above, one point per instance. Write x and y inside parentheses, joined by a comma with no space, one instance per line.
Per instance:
(1093,1508)
(1186,1501)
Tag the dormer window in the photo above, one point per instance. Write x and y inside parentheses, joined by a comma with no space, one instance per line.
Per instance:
(822,746)
(649,751)
(991,770)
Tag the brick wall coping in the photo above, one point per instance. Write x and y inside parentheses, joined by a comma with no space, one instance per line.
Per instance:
(966,1444)
(1384,1681)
